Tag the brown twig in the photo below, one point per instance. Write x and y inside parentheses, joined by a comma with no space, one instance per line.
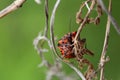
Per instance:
(14,6)
(84,21)
(103,59)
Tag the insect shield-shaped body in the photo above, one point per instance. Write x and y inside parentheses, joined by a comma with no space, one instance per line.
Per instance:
(65,45)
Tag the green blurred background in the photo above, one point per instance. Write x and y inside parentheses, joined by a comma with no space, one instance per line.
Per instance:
(19,60)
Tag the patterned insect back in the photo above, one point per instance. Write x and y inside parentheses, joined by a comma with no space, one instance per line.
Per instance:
(67,48)
(65,45)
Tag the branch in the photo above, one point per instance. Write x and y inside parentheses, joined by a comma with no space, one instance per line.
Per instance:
(53,42)
(103,59)
(116,26)
(14,6)
(85,19)
(52,29)
(40,40)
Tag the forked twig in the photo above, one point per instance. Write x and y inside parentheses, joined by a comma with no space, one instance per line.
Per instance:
(103,58)
(84,21)
(14,6)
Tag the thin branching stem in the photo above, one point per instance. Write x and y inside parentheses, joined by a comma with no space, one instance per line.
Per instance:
(84,21)
(105,46)
(12,7)
(42,38)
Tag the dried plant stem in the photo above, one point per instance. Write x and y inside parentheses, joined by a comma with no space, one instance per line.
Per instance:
(52,28)
(14,6)
(84,21)
(113,21)
(40,40)
(103,59)
(53,42)
(77,71)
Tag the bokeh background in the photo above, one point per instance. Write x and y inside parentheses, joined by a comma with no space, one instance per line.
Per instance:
(19,60)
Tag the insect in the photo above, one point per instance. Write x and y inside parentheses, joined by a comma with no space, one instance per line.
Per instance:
(66,45)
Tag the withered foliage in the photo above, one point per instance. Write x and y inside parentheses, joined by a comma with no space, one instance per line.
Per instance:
(77,45)
(94,4)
